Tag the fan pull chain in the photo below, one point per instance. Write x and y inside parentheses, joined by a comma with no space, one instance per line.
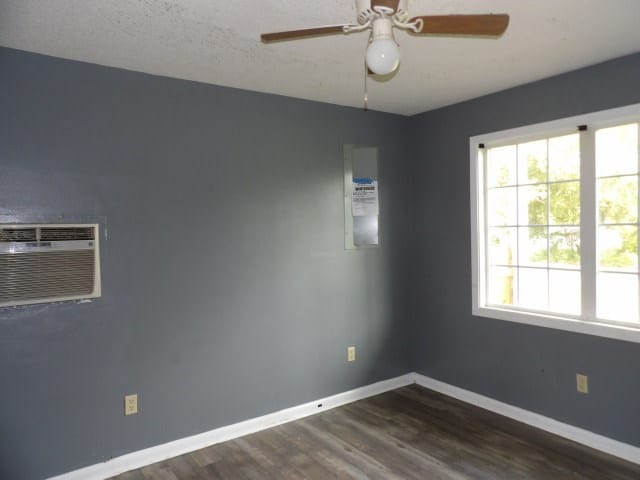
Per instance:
(366,95)
(366,74)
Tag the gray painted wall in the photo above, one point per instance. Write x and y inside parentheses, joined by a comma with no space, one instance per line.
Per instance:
(530,367)
(227,291)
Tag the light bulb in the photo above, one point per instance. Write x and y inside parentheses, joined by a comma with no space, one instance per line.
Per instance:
(383,56)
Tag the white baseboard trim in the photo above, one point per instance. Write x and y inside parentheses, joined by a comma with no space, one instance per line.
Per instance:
(579,435)
(141,458)
(145,457)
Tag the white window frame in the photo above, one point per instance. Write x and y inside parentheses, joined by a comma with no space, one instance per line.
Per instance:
(586,323)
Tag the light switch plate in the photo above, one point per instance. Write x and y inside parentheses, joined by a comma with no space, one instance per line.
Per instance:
(582,383)
(351,354)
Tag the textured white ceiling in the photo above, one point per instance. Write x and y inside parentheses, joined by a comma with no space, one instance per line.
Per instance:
(216,41)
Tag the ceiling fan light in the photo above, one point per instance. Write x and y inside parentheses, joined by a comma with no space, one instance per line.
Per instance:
(383,56)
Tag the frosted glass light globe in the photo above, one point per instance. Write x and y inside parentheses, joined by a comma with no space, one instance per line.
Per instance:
(383,56)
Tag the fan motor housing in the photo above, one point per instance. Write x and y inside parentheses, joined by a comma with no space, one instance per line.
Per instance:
(366,12)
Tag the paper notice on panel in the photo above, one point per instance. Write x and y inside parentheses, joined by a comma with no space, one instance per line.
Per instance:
(364,197)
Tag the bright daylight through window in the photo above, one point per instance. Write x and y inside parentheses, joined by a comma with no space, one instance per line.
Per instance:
(555,224)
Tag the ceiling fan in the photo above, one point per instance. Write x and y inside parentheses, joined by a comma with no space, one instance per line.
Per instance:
(381,16)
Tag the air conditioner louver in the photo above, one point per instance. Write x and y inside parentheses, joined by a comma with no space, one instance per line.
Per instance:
(46,263)
(18,235)
(57,233)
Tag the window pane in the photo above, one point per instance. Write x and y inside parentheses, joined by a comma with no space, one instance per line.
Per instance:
(532,288)
(532,162)
(502,206)
(618,199)
(564,247)
(502,281)
(564,292)
(532,245)
(532,205)
(617,150)
(564,157)
(502,246)
(617,297)
(618,248)
(565,203)
(501,166)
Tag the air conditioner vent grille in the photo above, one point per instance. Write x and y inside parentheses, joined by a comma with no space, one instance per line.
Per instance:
(42,263)
(18,235)
(35,275)
(54,234)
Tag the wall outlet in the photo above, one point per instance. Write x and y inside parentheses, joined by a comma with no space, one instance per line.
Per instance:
(131,404)
(351,354)
(582,383)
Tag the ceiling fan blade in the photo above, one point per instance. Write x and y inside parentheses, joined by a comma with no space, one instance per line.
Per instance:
(306,32)
(390,4)
(492,24)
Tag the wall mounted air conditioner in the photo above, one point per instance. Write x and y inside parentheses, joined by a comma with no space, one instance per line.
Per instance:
(48,263)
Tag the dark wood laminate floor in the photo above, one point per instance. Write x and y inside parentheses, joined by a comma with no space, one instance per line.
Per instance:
(409,433)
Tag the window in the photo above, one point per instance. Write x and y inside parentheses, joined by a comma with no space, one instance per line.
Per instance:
(555,224)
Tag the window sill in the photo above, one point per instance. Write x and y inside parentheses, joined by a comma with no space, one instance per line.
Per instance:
(617,332)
